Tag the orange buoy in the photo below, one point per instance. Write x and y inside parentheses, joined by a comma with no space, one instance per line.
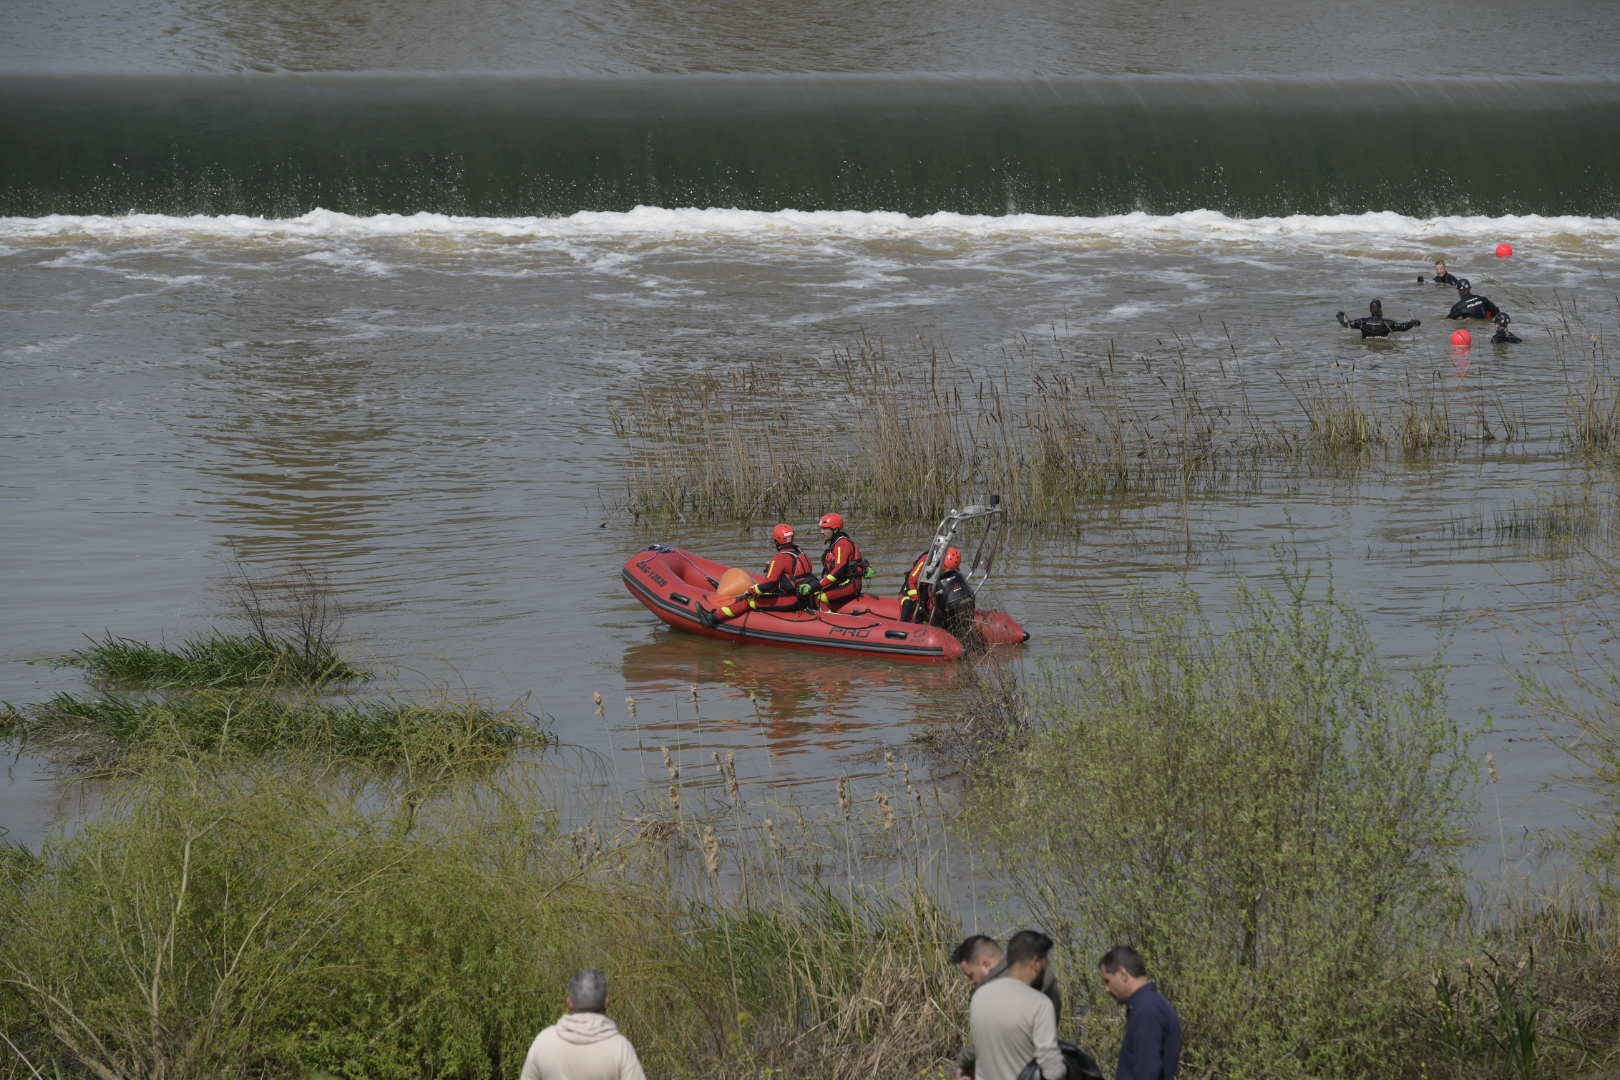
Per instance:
(1462,338)
(1504,250)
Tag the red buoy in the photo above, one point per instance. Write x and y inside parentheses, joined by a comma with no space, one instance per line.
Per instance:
(1503,250)
(1462,337)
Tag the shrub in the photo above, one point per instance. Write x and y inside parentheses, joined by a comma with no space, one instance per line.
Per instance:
(274,922)
(1267,814)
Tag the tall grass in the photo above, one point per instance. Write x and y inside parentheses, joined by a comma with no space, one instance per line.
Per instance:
(1591,387)
(901,434)
(265,923)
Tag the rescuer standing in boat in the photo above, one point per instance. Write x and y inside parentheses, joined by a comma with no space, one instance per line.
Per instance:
(917,595)
(780,589)
(843,570)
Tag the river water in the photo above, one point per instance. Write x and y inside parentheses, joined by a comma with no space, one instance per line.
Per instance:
(378,323)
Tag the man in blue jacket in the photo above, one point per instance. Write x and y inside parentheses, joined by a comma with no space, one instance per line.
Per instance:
(1151,1049)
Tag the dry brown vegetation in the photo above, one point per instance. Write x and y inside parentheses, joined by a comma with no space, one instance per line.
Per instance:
(901,433)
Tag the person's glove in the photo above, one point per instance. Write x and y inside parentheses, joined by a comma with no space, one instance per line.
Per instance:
(1417,322)
(1339,315)
(1420,279)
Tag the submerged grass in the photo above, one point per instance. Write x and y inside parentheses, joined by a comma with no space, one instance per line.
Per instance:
(291,640)
(103,734)
(217,659)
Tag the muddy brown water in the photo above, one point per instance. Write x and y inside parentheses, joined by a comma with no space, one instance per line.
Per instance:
(417,409)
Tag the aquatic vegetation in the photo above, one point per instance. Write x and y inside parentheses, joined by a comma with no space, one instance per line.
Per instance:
(291,639)
(911,431)
(119,732)
(216,659)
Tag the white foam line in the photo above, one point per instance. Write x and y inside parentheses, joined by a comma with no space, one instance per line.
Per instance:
(654,223)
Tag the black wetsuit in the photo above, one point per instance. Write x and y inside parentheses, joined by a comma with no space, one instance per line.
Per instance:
(1447,278)
(1504,336)
(1473,307)
(1376,325)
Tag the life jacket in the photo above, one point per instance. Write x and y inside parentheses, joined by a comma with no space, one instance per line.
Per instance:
(912,584)
(851,568)
(789,566)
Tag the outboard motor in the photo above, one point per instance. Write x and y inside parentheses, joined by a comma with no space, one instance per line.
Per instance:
(953,605)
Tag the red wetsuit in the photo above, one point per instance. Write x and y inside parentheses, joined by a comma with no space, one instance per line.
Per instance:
(914,598)
(843,572)
(777,592)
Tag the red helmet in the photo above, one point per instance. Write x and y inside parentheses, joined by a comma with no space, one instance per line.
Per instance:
(953,558)
(782,534)
(832,521)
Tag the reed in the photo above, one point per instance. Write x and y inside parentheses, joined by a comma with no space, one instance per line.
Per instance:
(1591,387)
(901,434)
(904,436)
(1339,421)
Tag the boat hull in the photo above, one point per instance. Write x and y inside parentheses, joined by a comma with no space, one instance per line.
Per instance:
(672,583)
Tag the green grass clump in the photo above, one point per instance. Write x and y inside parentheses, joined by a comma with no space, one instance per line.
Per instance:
(213,661)
(442,739)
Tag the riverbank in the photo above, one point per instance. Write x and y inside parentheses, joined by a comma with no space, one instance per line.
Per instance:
(303,908)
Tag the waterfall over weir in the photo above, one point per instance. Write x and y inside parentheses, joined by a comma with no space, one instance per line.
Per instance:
(281,145)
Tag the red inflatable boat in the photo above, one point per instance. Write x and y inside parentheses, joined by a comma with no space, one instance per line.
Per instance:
(672,583)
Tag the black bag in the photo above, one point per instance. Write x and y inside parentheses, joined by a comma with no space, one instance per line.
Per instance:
(1077,1065)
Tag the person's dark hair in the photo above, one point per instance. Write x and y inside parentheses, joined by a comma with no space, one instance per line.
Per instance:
(1027,945)
(972,948)
(1376,307)
(588,990)
(1123,956)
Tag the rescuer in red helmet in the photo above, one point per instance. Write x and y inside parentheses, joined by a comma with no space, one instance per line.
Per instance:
(916,595)
(789,572)
(843,570)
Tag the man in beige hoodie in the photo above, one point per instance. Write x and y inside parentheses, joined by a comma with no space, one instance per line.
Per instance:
(1012,1022)
(583,1044)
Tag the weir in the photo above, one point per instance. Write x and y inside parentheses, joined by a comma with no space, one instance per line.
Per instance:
(281,145)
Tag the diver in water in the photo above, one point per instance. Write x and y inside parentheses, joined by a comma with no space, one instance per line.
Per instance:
(1442,276)
(1469,306)
(1503,335)
(1374,324)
